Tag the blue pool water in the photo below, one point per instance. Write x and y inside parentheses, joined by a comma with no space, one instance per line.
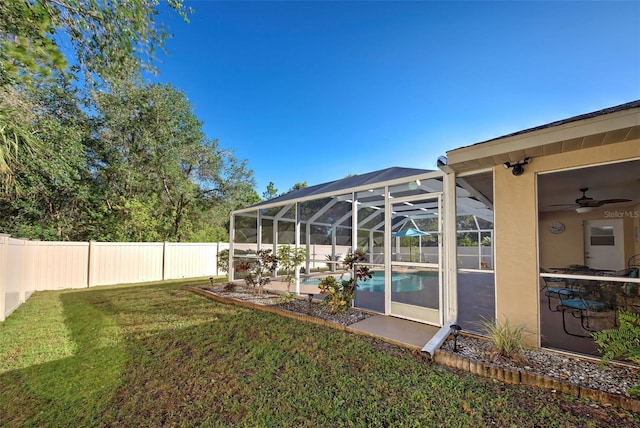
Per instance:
(401,282)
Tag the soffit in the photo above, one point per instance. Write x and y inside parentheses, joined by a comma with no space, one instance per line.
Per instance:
(553,139)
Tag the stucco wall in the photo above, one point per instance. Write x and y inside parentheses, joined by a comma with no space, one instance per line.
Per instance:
(516,230)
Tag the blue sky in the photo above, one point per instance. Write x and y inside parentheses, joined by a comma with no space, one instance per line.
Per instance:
(314,91)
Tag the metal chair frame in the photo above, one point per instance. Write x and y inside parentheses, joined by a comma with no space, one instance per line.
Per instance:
(584,310)
(553,290)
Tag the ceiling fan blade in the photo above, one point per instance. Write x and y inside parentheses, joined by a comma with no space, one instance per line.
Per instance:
(614,201)
(591,203)
(586,202)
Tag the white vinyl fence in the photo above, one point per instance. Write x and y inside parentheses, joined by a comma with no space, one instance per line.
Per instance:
(27,266)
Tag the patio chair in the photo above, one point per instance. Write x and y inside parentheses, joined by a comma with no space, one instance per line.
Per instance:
(559,288)
(585,308)
(631,291)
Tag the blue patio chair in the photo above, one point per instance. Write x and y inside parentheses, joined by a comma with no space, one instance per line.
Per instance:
(583,309)
(558,288)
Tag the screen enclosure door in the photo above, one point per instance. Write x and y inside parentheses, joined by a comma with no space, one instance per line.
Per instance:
(415,289)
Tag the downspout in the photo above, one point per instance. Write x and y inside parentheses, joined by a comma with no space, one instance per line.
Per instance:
(450,259)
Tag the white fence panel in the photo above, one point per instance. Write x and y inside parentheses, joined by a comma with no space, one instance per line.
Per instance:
(26,266)
(60,265)
(125,262)
(190,260)
(14,296)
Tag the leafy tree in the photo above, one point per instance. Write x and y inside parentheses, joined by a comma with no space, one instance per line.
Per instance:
(271,192)
(52,193)
(299,185)
(150,154)
(110,41)
(16,138)
(87,152)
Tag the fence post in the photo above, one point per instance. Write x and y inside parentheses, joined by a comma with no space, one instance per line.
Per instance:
(165,265)
(4,253)
(22,295)
(90,264)
(216,261)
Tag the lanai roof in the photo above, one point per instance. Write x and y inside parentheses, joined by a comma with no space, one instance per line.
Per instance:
(368,186)
(369,179)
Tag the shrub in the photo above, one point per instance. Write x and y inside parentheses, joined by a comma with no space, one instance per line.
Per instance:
(223,261)
(623,342)
(260,273)
(339,295)
(287,298)
(505,338)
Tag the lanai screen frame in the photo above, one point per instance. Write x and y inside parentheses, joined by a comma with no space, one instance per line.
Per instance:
(374,191)
(368,190)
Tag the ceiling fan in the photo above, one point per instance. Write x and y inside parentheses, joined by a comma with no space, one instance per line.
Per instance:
(586,202)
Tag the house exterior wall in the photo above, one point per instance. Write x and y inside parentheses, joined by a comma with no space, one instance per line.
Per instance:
(516,230)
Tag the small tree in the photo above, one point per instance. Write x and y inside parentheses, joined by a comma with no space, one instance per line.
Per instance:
(339,295)
(260,273)
(223,261)
(290,259)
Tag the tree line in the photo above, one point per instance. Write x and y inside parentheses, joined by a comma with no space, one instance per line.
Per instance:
(91,151)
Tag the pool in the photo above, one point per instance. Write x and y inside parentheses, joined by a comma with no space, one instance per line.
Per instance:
(401,282)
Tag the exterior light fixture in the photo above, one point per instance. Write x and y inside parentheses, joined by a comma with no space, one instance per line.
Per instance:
(517,167)
(455,330)
(310,299)
(211,280)
(443,166)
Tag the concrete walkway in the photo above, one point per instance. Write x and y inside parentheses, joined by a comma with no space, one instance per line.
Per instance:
(402,332)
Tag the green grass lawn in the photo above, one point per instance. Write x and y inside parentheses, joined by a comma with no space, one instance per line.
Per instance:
(155,354)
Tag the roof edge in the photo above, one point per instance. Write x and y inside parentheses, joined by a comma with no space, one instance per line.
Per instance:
(575,126)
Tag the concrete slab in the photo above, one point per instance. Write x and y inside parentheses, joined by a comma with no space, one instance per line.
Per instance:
(396,330)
